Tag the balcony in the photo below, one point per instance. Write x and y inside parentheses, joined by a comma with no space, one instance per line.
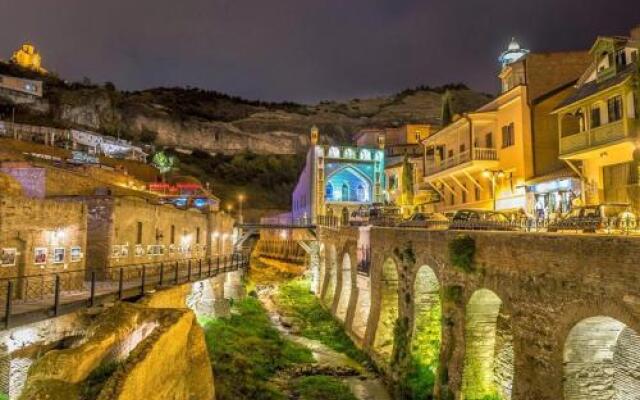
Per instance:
(459,159)
(595,137)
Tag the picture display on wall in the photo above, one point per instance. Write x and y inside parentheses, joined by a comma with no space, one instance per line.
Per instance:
(8,257)
(40,255)
(76,254)
(58,255)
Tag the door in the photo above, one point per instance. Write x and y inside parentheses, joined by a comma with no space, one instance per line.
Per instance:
(615,180)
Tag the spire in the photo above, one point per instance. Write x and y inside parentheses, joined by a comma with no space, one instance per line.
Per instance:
(513,53)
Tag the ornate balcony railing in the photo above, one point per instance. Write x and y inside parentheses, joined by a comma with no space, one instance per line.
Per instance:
(603,134)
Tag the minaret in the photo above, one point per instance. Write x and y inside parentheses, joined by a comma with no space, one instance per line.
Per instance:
(315,135)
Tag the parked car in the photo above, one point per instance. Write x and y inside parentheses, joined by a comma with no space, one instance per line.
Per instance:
(597,218)
(482,220)
(426,220)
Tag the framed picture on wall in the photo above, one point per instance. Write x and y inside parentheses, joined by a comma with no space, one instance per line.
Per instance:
(76,254)
(58,255)
(40,256)
(8,257)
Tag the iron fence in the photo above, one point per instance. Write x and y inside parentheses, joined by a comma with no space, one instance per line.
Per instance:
(49,292)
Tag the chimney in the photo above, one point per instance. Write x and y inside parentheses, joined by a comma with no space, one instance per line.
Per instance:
(635,32)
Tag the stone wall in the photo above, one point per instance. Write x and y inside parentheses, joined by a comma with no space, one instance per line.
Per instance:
(542,286)
(47,236)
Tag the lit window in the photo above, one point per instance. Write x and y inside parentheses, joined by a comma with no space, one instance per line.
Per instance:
(334,152)
(614,106)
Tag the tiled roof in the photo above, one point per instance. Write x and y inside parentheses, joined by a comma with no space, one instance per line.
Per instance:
(594,86)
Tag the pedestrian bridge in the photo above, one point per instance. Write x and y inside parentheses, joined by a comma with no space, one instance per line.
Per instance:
(522,316)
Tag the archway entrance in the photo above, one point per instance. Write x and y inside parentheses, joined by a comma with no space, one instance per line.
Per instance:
(345,290)
(383,343)
(488,362)
(425,344)
(601,361)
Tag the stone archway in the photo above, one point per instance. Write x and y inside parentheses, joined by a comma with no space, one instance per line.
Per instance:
(345,291)
(488,362)
(601,361)
(427,329)
(389,308)
(331,278)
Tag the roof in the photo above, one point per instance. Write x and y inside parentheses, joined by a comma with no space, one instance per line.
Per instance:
(594,86)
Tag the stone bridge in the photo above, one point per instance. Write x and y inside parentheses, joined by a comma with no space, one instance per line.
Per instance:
(533,316)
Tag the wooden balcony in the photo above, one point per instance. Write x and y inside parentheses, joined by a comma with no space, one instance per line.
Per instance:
(468,156)
(596,137)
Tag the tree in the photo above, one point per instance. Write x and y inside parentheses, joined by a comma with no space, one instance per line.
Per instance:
(407,182)
(165,163)
(447,113)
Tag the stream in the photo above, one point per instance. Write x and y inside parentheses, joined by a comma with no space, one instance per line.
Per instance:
(363,383)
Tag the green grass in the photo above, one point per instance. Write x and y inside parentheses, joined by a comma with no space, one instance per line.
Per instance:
(246,351)
(321,387)
(295,300)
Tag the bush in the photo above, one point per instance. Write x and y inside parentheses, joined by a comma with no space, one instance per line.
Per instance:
(461,251)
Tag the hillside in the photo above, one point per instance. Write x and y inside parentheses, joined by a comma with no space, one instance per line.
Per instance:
(192,118)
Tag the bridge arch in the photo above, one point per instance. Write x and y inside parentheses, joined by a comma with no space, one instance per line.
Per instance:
(331,275)
(601,358)
(389,309)
(345,288)
(488,362)
(427,329)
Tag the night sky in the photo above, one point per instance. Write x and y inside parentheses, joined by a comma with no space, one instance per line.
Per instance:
(300,50)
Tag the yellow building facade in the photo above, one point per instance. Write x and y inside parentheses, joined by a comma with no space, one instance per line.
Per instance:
(599,126)
(485,159)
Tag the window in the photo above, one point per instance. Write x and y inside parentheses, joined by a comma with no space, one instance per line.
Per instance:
(634,56)
(198,235)
(450,154)
(462,148)
(345,192)
(595,116)
(139,233)
(453,199)
(477,193)
(464,193)
(621,58)
(488,140)
(614,106)
(328,191)
(508,135)
(173,234)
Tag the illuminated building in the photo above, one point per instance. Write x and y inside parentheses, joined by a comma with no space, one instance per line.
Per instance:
(598,124)
(338,179)
(28,57)
(502,145)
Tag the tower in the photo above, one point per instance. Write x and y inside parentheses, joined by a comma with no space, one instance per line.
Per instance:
(315,135)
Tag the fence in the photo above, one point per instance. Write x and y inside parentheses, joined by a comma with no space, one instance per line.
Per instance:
(49,293)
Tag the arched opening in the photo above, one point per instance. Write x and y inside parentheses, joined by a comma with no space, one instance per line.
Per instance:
(383,343)
(332,276)
(360,193)
(601,361)
(488,362)
(345,192)
(345,291)
(425,344)
(328,192)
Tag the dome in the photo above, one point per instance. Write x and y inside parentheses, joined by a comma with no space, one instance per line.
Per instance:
(514,45)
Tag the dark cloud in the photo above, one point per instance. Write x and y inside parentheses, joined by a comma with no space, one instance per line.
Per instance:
(303,50)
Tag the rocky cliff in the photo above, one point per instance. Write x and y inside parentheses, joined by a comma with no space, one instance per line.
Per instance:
(214,122)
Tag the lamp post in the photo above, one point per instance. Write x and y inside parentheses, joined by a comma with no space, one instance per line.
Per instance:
(240,200)
(490,173)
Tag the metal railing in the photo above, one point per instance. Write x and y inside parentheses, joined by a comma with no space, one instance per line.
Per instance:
(51,294)
(476,153)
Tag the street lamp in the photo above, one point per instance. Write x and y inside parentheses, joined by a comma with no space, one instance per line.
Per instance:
(490,173)
(240,200)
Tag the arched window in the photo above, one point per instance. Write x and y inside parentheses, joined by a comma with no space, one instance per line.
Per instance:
(328,191)
(365,154)
(349,153)
(361,196)
(345,192)
(334,152)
